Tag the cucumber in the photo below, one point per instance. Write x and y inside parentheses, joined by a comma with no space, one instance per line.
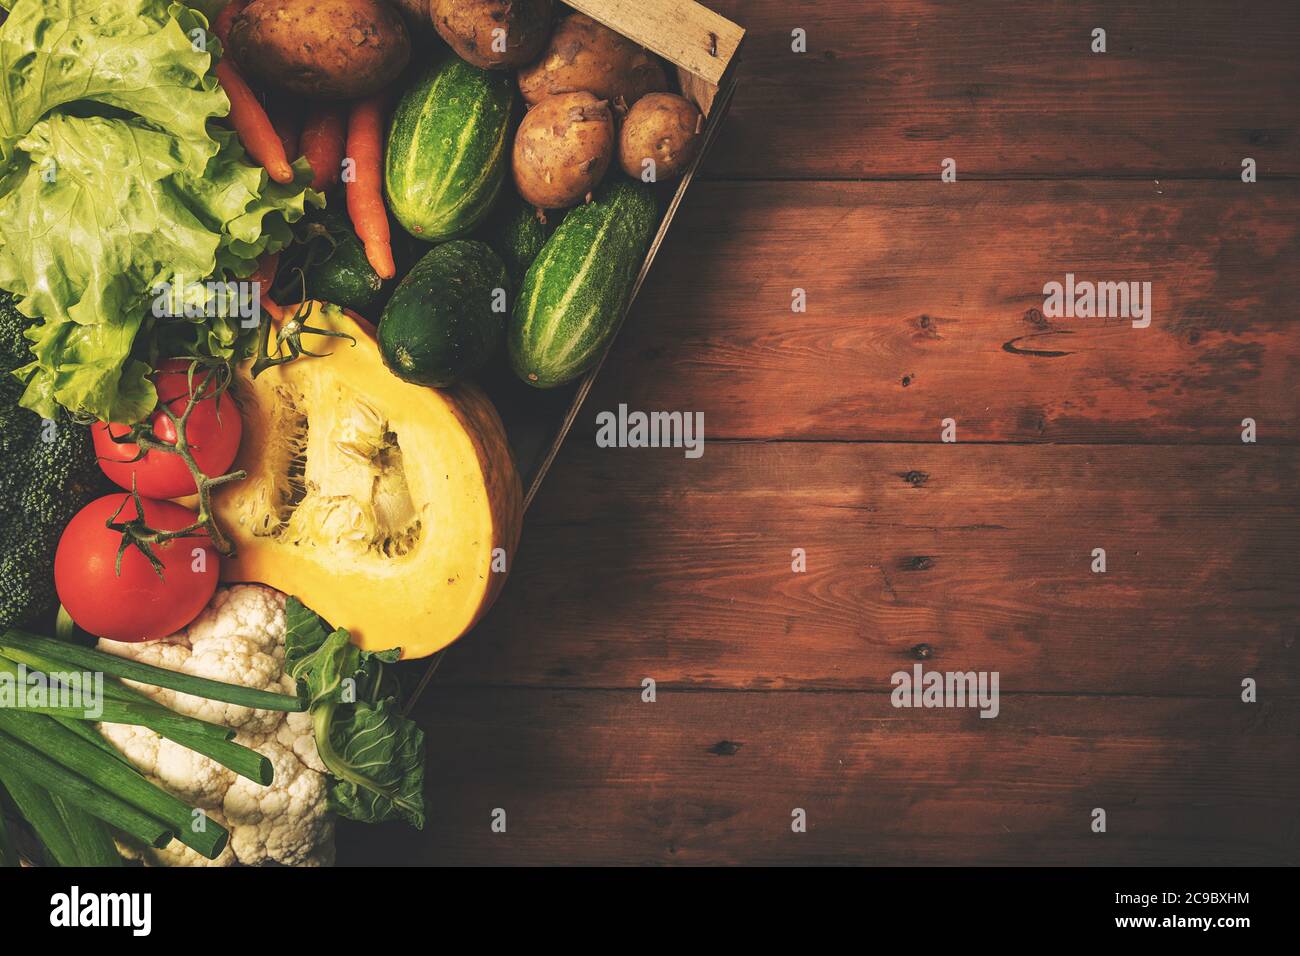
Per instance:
(517,236)
(345,277)
(328,255)
(574,293)
(447,317)
(448,149)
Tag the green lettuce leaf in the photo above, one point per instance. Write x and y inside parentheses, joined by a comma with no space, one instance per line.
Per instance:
(114,183)
(145,57)
(375,756)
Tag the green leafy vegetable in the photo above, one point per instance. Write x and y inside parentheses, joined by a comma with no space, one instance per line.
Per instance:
(114,183)
(36,651)
(375,755)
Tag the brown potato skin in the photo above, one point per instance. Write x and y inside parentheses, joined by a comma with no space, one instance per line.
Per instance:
(663,127)
(562,149)
(338,49)
(584,55)
(467,27)
(417,11)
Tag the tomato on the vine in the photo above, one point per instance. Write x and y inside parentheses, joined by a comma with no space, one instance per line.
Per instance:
(213,433)
(137,604)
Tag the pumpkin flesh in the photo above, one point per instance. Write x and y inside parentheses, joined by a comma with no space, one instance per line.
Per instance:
(378,503)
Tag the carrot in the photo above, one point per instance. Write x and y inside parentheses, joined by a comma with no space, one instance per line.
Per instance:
(284,116)
(264,276)
(252,124)
(246,114)
(266,269)
(222,21)
(365,191)
(322,143)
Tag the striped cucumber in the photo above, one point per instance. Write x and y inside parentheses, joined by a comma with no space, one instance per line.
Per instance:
(574,293)
(448,149)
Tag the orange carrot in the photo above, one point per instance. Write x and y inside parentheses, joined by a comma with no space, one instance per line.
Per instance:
(251,123)
(266,269)
(284,114)
(222,21)
(246,114)
(322,143)
(365,190)
(264,276)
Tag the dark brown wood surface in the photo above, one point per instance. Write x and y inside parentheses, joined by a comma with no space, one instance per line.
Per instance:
(1011,90)
(1119,690)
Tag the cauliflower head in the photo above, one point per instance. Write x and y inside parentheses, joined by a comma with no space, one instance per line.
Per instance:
(239,638)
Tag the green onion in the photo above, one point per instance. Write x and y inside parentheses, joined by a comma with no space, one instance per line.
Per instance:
(244,761)
(211,740)
(42,734)
(91,839)
(50,827)
(20,760)
(143,713)
(41,662)
(88,659)
(8,852)
(92,736)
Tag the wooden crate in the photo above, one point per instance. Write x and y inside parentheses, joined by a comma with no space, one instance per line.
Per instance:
(704,48)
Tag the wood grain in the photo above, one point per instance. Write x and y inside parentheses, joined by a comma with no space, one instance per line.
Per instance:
(925,301)
(1011,89)
(1120,690)
(640,563)
(702,778)
(687,34)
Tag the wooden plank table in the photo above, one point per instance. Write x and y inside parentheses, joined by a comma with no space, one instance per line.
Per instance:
(1120,690)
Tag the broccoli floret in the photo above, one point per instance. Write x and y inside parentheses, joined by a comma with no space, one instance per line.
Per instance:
(47,473)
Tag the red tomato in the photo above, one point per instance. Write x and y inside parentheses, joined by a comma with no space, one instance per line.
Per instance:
(136,605)
(213,433)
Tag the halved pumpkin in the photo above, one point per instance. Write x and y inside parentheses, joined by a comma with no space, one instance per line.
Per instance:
(379,504)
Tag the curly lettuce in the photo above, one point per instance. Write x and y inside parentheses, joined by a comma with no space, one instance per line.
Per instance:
(116,181)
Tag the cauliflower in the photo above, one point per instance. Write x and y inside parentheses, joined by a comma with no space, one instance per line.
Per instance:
(239,638)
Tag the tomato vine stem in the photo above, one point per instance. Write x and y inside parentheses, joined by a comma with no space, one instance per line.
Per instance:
(136,531)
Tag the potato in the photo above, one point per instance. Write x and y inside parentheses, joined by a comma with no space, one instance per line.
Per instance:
(468,25)
(562,149)
(416,11)
(583,55)
(663,127)
(325,48)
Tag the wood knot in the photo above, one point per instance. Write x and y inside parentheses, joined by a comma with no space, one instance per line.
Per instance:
(922,652)
(1036,318)
(725,748)
(914,478)
(919,563)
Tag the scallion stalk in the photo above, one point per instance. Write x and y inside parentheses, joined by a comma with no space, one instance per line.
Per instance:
(8,852)
(88,659)
(86,732)
(142,712)
(211,740)
(16,758)
(49,826)
(56,744)
(242,760)
(91,839)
